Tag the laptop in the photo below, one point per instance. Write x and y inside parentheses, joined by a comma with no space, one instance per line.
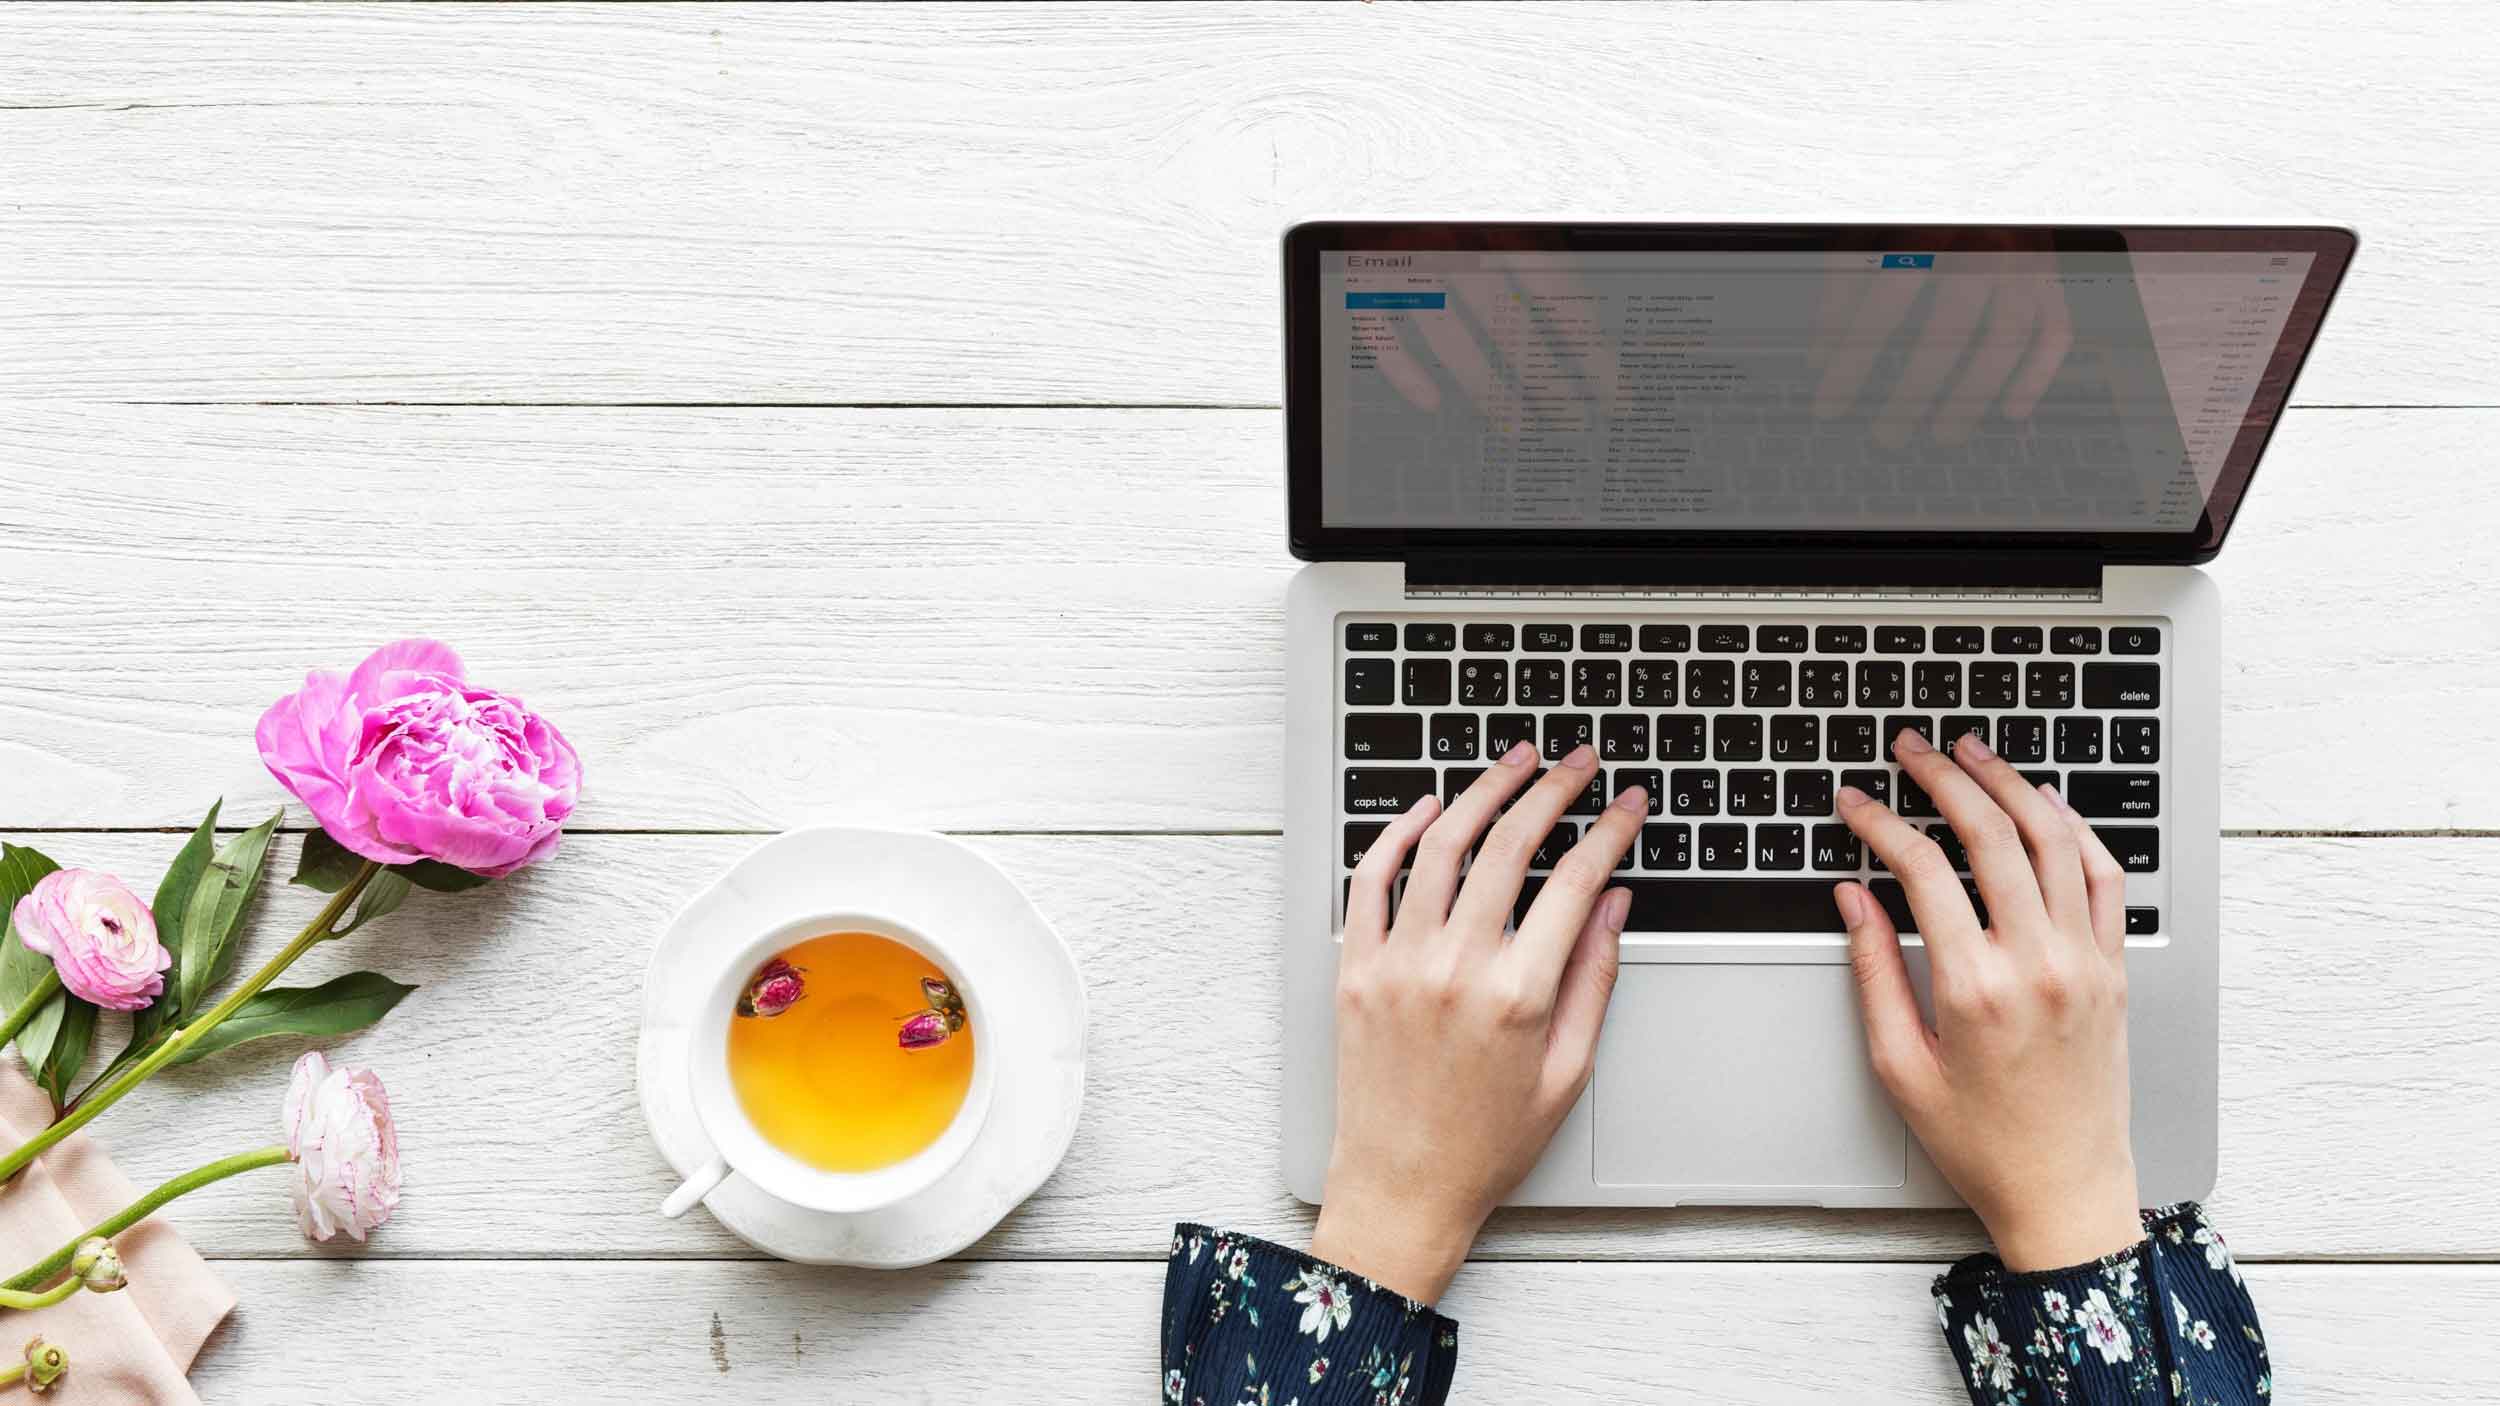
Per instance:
(1735,504)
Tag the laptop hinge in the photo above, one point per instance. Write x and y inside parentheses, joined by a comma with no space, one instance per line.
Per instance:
(2022,574)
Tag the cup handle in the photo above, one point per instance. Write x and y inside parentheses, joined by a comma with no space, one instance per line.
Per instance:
(711,1174)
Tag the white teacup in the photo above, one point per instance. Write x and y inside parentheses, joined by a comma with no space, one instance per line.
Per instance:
(740,1150)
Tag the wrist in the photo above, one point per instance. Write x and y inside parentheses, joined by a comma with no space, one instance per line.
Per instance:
(2069,1231)
(1401,1246)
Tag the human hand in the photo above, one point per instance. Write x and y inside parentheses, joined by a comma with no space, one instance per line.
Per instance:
(1459,1049)
(2019,1093)
(2019,322)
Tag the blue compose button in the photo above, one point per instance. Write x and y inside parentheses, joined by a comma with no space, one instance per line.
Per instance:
(1396,300)
(1909,261)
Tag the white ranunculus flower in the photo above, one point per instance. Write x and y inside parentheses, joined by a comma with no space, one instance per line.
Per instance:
(346,1151)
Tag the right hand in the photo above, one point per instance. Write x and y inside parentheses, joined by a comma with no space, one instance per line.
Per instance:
(2019,1093)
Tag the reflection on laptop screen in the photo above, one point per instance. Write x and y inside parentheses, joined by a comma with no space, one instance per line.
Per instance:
(1843,391)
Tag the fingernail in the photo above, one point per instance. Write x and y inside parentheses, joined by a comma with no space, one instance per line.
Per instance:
(1426,806)
(1849,796)
(1852,907)
(1632,800)
(1910,741)
(1582,758)
(1971,744)
(1614,909)
(1520,754)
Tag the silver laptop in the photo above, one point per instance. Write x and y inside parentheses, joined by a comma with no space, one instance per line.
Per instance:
(1735,504)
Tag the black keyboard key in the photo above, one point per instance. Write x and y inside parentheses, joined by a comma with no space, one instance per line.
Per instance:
(1936,685)
(1370,681)
(1546,639)
(1777,847)
(1960,639)
(1666,847)
(1453,737)
(1605,639)
(1823,683)
(2136,847)
(2015,639)
(2135,740)
(1915,803)
(1592,797)
(1893,726)
(1840,639)
(1490,639)
(1484,683)
(1427,683)
(1753,791)
(1992,685)
(1371,638)
(1557,843)
(1710,683)
(1566,731)
(2078,740)
(1876,784)
(1503,731)
(1836,849)
(2125,795)
(2022,738)
(1726,639)
(1722,847)
(1767,683)
(1806,791)
(1796,737)
(1666,639)
(2075,639)
(2049,687)
(1780,639)
(1954,729)
(1850,737)
(2143,922)
(1649,779)
(1719,905)
(1359,835)
(1652,684)
(1896,901)
(1383,737)
(1951,844)
(1900,639)
(1693,792)
(2034,777)
(2122,685)
(1623,737)
(1682,737)
(1881,684)
(1455,781)
(1431,639)
(1373,790)
(1736,737)
(1596,683)
(2134,639)
(1539,683)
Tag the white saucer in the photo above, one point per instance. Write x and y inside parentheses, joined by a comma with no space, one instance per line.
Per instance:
(1038,1035)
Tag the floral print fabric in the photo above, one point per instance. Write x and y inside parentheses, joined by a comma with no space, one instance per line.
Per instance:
(1249,1323)
(2167,1320)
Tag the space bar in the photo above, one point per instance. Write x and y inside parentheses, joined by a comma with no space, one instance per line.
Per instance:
(1720,905)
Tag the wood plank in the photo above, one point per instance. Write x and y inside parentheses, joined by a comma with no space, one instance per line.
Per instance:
(2341,1335)
(969,619)
(2358,1066)
(945,203)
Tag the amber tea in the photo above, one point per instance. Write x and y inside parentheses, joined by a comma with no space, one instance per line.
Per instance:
(850,1051)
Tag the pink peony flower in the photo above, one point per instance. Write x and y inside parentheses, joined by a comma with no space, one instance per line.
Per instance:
(338,1130)
(100,937)
(402,760)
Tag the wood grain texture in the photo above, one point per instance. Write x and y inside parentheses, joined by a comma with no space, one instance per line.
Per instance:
(1758,1335)
(961,203)
(1019,619)
(2357,1062)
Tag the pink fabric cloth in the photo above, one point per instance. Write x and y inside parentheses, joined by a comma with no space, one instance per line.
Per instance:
(132,1348)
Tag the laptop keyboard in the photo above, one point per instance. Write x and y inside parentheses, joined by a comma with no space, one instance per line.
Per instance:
(1742,730)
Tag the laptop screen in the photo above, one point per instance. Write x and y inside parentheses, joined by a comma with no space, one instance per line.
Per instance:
(2081,387)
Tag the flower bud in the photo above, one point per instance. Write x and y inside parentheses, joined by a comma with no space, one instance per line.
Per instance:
(923,1030)
(775,989)
(45,1362)
(99,1264)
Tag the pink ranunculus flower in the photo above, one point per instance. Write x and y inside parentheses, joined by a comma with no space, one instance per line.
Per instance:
(346,1151)
(100,937)
(403,760)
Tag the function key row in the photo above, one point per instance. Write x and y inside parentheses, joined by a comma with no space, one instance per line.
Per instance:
(1555,638)
(2043,685)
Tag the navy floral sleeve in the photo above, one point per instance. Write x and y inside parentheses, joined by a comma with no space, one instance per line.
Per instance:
(1246,1321)
(2164,1321)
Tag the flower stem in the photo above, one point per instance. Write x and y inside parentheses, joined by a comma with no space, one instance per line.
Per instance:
(145,1207)
(11,1298)
(314,934)
(26,1009)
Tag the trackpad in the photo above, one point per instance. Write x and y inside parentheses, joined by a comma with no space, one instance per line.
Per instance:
(1741,1076)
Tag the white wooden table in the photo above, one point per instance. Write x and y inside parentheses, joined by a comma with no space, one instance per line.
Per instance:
(870,414)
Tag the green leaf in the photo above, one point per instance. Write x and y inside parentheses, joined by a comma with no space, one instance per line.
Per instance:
(440,878)
(20,969)
(335,1007)
(210,929)
(75,1033)
(54,1041)
(173,914)
(326,864)
(388,890)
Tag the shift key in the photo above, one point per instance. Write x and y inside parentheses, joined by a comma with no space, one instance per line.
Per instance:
(2122,794)
(1371,790)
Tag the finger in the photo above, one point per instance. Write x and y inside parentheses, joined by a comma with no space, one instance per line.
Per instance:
(2010,315)
(1897,1040)
(1951,324)
(1878,313)
(1946,921)
(1492,886)
(1367,894)
(1446,841)
(1562,907)
(2056,861)
(2049,347)
(2103,879)
(1988,835)
(1588,983)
